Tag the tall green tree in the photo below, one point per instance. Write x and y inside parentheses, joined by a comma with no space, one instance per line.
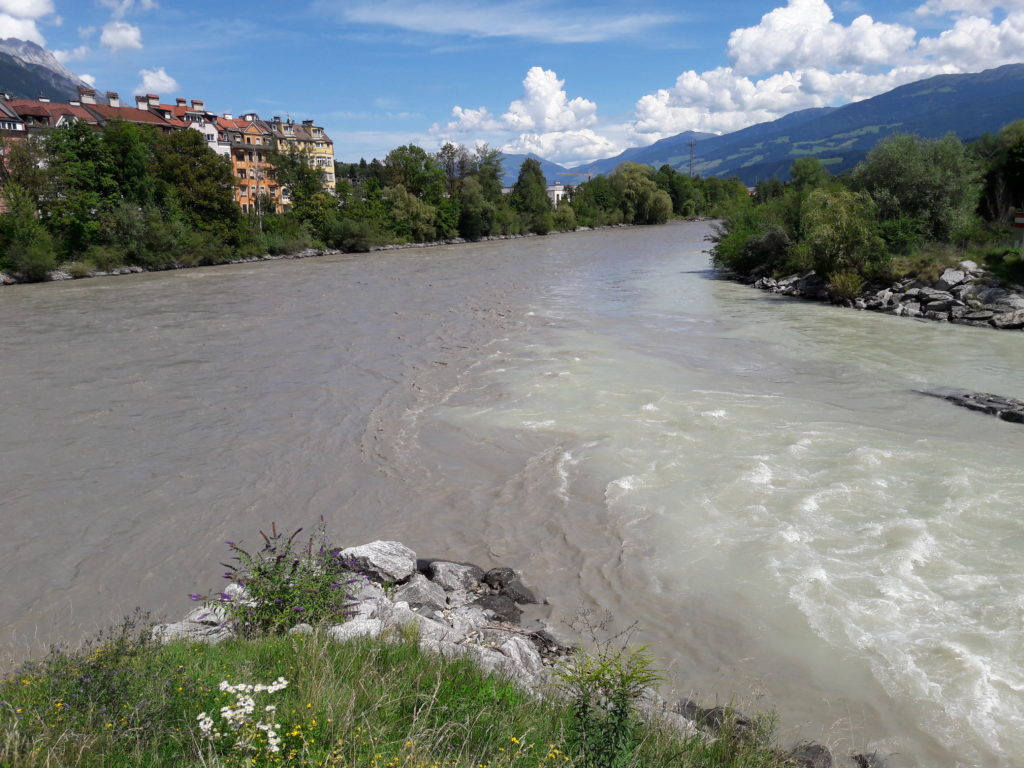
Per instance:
(808,173)
(640,199)
(82,186)
(839,230)
(28,247)
(412,168)
(130,147)
(529,198)
(198,180)
(487,168)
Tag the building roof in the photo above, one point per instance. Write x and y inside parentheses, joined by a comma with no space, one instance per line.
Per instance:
(50,111)
(128,114)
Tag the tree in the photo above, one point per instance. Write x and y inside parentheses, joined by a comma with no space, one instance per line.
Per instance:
(416,171)
(808,173)
(1002,158)
(530,199)
(82,185)
(293,172)
(130,148)
(412,219)
(927,188)
(29,247)
(199,181)
(839,232)
(456,164)
(595,203)
(639,197)
(475,212)
(487,168)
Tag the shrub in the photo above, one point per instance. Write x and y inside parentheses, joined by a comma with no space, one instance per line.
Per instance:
(846,285)
(838,230)
(285,585)
(603,687)
(34,260)
(77,269)
(565,217)
(104,257)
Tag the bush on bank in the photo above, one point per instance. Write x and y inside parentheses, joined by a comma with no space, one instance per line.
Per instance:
(911,208)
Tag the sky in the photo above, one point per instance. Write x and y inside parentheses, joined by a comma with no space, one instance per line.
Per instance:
(571,81)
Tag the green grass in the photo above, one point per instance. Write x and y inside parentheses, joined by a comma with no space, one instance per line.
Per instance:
(124,700)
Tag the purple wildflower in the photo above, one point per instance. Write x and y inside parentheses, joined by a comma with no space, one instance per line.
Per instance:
(195,596)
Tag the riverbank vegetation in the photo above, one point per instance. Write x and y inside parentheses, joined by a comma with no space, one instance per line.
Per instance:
(270,697)
(124,700)
(127,196)
(912,208)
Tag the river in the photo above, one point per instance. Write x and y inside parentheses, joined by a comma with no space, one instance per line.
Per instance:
(753,479)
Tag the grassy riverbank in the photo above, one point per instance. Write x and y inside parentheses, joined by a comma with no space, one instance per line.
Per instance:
(125,700)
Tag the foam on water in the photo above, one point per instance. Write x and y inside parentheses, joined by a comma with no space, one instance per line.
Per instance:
(883,536)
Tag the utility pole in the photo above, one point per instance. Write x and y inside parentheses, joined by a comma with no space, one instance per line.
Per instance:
(693,152)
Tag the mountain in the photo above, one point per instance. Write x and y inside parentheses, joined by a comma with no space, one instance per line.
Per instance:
(28,71)
(553,172)
(675,150)
(966,105)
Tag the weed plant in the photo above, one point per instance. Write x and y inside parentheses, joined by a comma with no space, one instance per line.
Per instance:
(285,584)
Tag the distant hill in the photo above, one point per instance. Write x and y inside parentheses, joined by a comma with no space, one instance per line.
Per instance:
(552,171)
(28,71)
(675,150)
(967,105)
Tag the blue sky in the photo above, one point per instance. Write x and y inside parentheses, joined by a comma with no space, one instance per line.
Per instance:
(571,81)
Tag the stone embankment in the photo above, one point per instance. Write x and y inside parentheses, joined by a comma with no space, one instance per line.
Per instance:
(966,294)
(459,610)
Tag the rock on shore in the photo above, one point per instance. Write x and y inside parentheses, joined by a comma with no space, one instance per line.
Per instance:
(966,294)
(1005,408)
(459,610)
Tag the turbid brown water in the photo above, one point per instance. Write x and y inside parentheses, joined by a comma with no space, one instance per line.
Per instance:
(751,478)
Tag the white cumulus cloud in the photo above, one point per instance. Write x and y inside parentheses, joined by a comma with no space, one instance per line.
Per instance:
(120,36)
(71,55)
(27,9)
(544,121)
(155,81)
(89,80)
(580,145)
(545,106)
(803,34)
(23,29)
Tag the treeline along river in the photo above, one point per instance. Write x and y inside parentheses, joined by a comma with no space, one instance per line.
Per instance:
(754,479)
